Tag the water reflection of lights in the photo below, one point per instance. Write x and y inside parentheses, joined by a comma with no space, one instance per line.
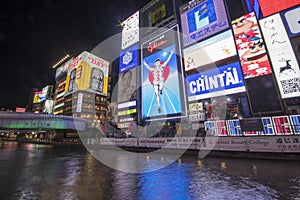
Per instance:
(223,165)
(254,168)
(199,163)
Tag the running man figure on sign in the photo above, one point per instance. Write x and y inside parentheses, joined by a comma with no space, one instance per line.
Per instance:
(158,77)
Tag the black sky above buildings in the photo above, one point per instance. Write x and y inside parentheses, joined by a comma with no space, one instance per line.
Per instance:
(34,35)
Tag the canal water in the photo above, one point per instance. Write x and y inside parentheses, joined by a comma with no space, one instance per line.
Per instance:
(31,171)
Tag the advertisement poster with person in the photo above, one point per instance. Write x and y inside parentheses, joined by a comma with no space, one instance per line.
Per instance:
(251,46)
(87,73)
(162,91)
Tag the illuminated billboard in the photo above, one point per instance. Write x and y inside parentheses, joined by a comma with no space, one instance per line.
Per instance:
(44,93)
(36,97)
(63,69)
(127,86)
(269,7)
(295,121)
(292,19)
(211,50)
(48,107)
(223,80)
(282,125)
(251,47)
(128,59)
(284,62)
(196,112)
(130,31)
(201,19)
(87,73)
(163,93)
(157,13)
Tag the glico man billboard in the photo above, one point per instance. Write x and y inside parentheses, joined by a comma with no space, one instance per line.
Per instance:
(162,93)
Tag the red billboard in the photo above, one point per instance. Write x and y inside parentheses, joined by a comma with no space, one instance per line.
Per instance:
(251,46)
(269,7)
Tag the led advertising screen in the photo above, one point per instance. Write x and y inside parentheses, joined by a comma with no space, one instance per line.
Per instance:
(223,80)
(282,125)
(211,50)
(127,86)
(48,107)
(251,47)
(202,19)
(291,18)
(36,97)
(284,62)
(128,62)
(263,95)
(157,13)
(163,94)
(130,31)
(269,7)
(43,96)
(87,73)
(63,69)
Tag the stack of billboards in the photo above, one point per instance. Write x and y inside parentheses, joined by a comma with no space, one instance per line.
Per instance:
(87,78)
(221,57)
(209,54)
(60,79)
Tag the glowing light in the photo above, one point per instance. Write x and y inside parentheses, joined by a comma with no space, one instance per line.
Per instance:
(199,162)
(223,165)
(61,61)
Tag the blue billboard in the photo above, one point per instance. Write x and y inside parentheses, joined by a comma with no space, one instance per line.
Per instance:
(128,59)
(224,80)
(162,94)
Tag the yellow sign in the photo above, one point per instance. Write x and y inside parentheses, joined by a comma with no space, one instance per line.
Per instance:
(195,106)
(158,14)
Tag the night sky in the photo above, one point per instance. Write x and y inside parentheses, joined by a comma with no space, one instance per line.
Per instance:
(34,35)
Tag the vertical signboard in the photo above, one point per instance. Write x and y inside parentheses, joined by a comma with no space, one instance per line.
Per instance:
(161,77)
(130,31)
(127,74)
(284,62)
(201,19)
(251,47)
